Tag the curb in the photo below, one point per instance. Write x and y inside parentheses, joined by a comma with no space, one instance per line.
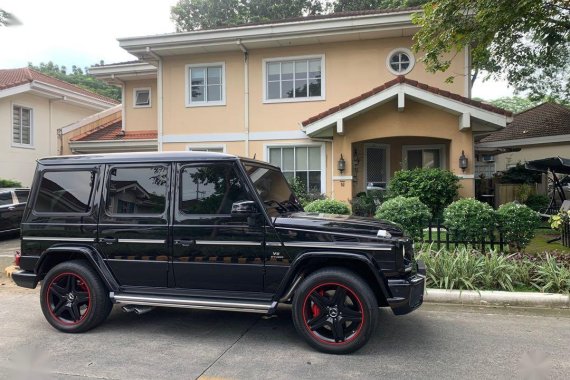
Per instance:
(497,298)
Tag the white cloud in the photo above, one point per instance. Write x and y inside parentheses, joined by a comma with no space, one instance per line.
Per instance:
(78,32)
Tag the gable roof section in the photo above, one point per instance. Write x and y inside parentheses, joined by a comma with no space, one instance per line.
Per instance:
(547,122)
(113,131)
(30,79)
(401,87)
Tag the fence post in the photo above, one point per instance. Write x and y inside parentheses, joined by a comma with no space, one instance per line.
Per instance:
(447,240)
(501,242)
(483,241)
(492,240)
(438,233)
(430,225)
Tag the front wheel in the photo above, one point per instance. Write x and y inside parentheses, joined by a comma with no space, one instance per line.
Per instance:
(335,311)
(73,298)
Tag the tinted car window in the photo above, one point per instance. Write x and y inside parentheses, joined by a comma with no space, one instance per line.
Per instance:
(22,195)
(65,192)
(139,190)
(210,189)
(5,198)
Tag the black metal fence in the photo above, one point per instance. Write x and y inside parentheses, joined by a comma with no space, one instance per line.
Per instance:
(565,235)
(438,235)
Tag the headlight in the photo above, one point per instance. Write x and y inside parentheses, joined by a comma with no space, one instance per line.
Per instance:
(384,234)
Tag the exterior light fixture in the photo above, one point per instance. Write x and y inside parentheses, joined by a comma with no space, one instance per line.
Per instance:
(341,164)
(355,160)
(463,162)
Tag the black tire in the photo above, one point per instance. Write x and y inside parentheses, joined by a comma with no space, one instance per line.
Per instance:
(335,325)
(73,297)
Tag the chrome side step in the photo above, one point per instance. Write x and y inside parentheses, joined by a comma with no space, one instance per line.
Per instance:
(193,303)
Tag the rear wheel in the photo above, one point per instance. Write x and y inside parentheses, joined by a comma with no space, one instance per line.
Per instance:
(73,297)
(335,311)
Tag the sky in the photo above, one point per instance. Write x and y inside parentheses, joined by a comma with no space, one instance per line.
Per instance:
(80,32)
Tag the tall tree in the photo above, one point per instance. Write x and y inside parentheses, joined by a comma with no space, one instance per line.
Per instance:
(527,41)
(207,14)
(79,78)
(361,5)
(3,17)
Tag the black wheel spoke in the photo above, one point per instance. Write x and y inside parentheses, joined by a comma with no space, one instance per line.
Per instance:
(317,322)
(351,315)
(59,308)
(75,313)
(338,330)
(58,290)
(319,300)
(339,296)
(82,297)
(68,284)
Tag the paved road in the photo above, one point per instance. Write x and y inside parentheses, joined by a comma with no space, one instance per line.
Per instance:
(434,342)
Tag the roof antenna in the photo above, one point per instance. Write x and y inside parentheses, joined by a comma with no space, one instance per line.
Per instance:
(254,155)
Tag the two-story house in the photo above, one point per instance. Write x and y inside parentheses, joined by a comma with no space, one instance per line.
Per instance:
(33,106)
(339,101)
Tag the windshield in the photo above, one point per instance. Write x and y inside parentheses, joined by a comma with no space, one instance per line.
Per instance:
(273,189)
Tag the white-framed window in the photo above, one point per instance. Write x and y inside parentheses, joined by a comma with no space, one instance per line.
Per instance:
(306,162)
(218,148)
(141,97)
(22,126)
(400,61)
(376,166)
(294,79)
(206,84)
(424,156)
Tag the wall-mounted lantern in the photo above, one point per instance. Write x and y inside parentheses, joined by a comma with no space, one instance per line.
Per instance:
(463,162)
(355,160)
(341,166)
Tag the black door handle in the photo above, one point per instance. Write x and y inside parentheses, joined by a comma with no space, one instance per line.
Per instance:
(184,242)
(109,240)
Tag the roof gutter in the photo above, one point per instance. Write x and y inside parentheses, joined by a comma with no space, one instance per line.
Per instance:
(159,88)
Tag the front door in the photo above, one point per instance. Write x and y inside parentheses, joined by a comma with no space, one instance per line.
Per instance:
(376,164)
(213,249)
(133,223)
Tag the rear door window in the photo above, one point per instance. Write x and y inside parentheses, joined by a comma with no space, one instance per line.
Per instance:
(65,192)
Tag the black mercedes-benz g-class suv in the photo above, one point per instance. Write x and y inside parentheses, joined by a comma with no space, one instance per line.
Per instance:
(206,231)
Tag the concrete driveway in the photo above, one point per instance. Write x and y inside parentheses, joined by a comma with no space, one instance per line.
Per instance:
(434,342)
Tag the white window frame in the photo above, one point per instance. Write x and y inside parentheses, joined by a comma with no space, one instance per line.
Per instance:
(386,147)
(397,51)
(204,103)
(294,100)
(32,129)
(135,90)
(266,148)
(440,147)
(191,147)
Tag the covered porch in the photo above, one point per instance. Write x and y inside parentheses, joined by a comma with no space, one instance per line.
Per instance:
(402,124)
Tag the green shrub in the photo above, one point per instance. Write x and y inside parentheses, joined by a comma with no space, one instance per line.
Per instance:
(517,223)
(328,206)
(550,276)
(459,269)
(363,205)
(436,188)
(9,183)
(498,272)
(410,213)
(537,202)
(304,196)
(468,219)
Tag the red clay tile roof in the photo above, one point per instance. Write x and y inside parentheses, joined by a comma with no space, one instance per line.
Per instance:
(16,77)
(113,131)
(415,83)
(546,119)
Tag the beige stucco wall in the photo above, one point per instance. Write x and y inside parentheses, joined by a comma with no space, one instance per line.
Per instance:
(18,163)
(140,118)
(351,68)
(531,152)
(415,123)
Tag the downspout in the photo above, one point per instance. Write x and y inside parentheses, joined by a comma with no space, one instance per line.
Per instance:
(159,89)
(123,99)
(325,140)
(245,94)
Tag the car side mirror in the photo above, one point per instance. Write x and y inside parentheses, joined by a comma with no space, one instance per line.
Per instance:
(245,208)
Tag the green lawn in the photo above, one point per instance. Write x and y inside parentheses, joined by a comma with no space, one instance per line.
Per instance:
(539,243)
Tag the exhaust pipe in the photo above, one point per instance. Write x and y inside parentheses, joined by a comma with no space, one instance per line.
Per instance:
(137,309)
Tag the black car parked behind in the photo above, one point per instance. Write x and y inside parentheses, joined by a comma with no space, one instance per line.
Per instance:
(12,204)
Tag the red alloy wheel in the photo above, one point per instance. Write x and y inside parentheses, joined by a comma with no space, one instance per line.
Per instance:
(333,313)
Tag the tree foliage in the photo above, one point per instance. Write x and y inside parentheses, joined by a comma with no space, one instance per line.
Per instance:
(78,77)
(515,104)
(361,5)
(526,41)
(3,17)
(208,14)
